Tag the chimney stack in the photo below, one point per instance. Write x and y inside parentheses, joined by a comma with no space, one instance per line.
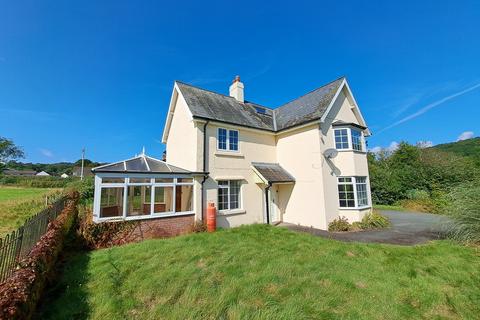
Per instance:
(236,89)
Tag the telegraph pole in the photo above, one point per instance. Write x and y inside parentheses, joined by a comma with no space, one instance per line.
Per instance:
(83,158)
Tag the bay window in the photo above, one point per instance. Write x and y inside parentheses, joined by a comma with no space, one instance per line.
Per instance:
(353,192)
(349,139)
(227,139)
(229,194)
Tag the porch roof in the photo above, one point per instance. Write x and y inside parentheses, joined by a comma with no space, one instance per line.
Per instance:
(141,164)
(272,172)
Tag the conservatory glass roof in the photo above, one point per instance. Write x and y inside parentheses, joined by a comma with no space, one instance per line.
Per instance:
(140,164)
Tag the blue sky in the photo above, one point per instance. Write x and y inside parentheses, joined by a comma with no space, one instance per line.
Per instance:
(99,74)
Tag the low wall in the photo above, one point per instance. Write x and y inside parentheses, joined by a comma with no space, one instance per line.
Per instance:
(19,294)
(108,234)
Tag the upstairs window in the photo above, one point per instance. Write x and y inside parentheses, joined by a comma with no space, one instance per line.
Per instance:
(348,139)
(356,140)
(341,139)
(227,139)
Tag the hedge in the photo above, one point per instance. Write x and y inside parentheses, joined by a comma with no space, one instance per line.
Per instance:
(20,293)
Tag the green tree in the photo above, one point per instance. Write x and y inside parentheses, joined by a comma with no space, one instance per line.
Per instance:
(9,151)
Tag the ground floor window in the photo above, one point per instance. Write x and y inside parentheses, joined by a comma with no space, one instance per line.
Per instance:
(140,197)
(229,194)
(352,192)
(111,202)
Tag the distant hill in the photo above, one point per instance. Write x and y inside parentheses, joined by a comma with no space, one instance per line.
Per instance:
(466,148)
(55,169)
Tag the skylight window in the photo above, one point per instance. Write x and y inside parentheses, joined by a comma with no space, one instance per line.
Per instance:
(260,110)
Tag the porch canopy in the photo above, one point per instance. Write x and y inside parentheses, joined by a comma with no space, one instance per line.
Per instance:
(141,188)
(271,173)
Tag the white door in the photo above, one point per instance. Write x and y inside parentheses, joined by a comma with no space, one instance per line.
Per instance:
(274,211)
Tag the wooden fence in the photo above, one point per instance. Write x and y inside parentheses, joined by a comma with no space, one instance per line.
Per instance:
(18,244)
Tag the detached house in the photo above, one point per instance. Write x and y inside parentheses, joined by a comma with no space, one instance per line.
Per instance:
(304,162)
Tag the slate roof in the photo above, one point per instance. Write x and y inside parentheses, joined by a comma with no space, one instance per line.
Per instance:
(140,164)
(214,106)
(273,172)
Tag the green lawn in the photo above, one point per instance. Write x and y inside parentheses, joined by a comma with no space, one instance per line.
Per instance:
(389,207)
(17,204)
(263,272)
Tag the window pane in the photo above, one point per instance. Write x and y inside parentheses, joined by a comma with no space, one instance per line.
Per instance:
(362,195)
(183,198)
(139,180)
(111,202)
(234,194)
(113,180)
(184,180)
(233,140)
(341,138)
(136,200)
(346,194)
(356,140)
(163,199)
(163,180)
(222,139)
(222,198)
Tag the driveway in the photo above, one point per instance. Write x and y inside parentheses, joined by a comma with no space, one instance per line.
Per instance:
(408,228)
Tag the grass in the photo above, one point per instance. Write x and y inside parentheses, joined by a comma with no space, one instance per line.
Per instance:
(389,207)
(17,204)
(264,272)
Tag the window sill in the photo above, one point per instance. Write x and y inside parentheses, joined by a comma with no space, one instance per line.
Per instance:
(144,217)
(351,150)
(231,212)
(356,208)
(229,154)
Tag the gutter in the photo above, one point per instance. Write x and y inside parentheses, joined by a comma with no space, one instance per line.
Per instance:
(204,165)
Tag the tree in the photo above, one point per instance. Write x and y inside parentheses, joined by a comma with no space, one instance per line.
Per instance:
(9,151)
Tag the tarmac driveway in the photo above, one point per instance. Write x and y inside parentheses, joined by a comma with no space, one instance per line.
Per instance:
(408,228)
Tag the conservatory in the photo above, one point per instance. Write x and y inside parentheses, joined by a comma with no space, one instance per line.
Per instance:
(142,188)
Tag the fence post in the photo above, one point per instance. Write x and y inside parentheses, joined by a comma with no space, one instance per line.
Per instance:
(19,243)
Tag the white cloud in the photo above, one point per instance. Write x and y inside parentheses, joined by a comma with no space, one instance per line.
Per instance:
(465,135)
(376,149)
(393,146)
(424,144)
(47,153)
(431,106)
(390,149)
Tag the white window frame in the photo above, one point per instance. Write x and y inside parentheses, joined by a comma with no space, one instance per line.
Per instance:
(99,186)
(355,190)
(227,146)
(227,187)
(350,140)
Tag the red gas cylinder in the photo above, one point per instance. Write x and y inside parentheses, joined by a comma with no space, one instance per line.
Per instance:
(211,217)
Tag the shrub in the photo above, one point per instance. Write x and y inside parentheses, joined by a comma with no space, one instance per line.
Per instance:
(105,234)
(464,208)
(374,220)
(339,224)
(85,188)
(35,182)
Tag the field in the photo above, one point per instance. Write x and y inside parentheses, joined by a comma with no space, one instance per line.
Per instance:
(264,272)
(17,204)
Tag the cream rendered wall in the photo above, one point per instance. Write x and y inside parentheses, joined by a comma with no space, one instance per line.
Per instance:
(347,163)
(254,146)
(299,153)
(182,140)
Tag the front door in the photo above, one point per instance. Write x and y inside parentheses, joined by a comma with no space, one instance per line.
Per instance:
(273,208)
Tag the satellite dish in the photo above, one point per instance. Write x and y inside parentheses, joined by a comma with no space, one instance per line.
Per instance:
(330,153)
